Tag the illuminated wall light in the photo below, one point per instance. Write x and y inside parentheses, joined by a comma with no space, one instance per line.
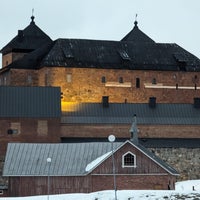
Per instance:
(69,106)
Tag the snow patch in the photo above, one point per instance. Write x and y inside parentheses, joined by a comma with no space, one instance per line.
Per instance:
(95,162)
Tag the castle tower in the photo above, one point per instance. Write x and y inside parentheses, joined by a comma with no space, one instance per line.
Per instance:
(27,40)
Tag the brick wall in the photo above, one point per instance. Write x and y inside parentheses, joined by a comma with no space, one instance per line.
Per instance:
(11,57)
(122,131)
(85,85)
(29,130)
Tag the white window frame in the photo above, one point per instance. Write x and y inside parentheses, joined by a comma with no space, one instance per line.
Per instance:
(123,157)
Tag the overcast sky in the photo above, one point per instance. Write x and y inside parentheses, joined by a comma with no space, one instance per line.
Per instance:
(171,21)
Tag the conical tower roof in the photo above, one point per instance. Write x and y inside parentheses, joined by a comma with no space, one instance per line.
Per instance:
(137,36)
(27,40)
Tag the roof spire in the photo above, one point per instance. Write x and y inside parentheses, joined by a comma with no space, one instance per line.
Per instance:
(136,21)
(32,17)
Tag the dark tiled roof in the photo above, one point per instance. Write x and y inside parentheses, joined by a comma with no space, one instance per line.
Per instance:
(136,51)
(29,39)
(69,159)
(112,55)
(137,36)
(121,113)
(30,102)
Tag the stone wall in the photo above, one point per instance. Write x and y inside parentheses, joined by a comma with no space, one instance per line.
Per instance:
(185,160)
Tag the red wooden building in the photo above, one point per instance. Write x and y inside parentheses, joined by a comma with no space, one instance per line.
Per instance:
(35,169)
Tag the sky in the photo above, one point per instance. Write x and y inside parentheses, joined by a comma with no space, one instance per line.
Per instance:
(171,21)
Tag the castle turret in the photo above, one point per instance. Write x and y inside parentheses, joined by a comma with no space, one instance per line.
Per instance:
(26,41)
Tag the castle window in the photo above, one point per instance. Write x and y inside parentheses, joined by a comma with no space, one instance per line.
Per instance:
(121,80)
(129,160)
(5,81)
(154,81)
(15,128)
(103,79)
(29,79)
(69,78)
(137,82)
(46,79)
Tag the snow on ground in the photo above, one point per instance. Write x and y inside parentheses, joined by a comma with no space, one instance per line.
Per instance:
(185,190)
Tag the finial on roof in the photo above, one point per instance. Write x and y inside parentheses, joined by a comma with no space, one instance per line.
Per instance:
(32,17)
(136,21)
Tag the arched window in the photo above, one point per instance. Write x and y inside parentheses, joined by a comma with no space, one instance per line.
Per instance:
(129,160)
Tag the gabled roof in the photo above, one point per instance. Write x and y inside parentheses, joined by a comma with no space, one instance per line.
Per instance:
(122,113)
(69,159)
(30,102)
(29,39)
(137,36)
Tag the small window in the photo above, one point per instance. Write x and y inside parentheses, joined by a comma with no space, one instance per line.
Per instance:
(121,80)
(5,81)
(15,128)
(1,192)
(154,81)
(42,127)
(129,160)
(137,82)
(69,78)
(12,131)
(103,79)
(46,79)
(29,79)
